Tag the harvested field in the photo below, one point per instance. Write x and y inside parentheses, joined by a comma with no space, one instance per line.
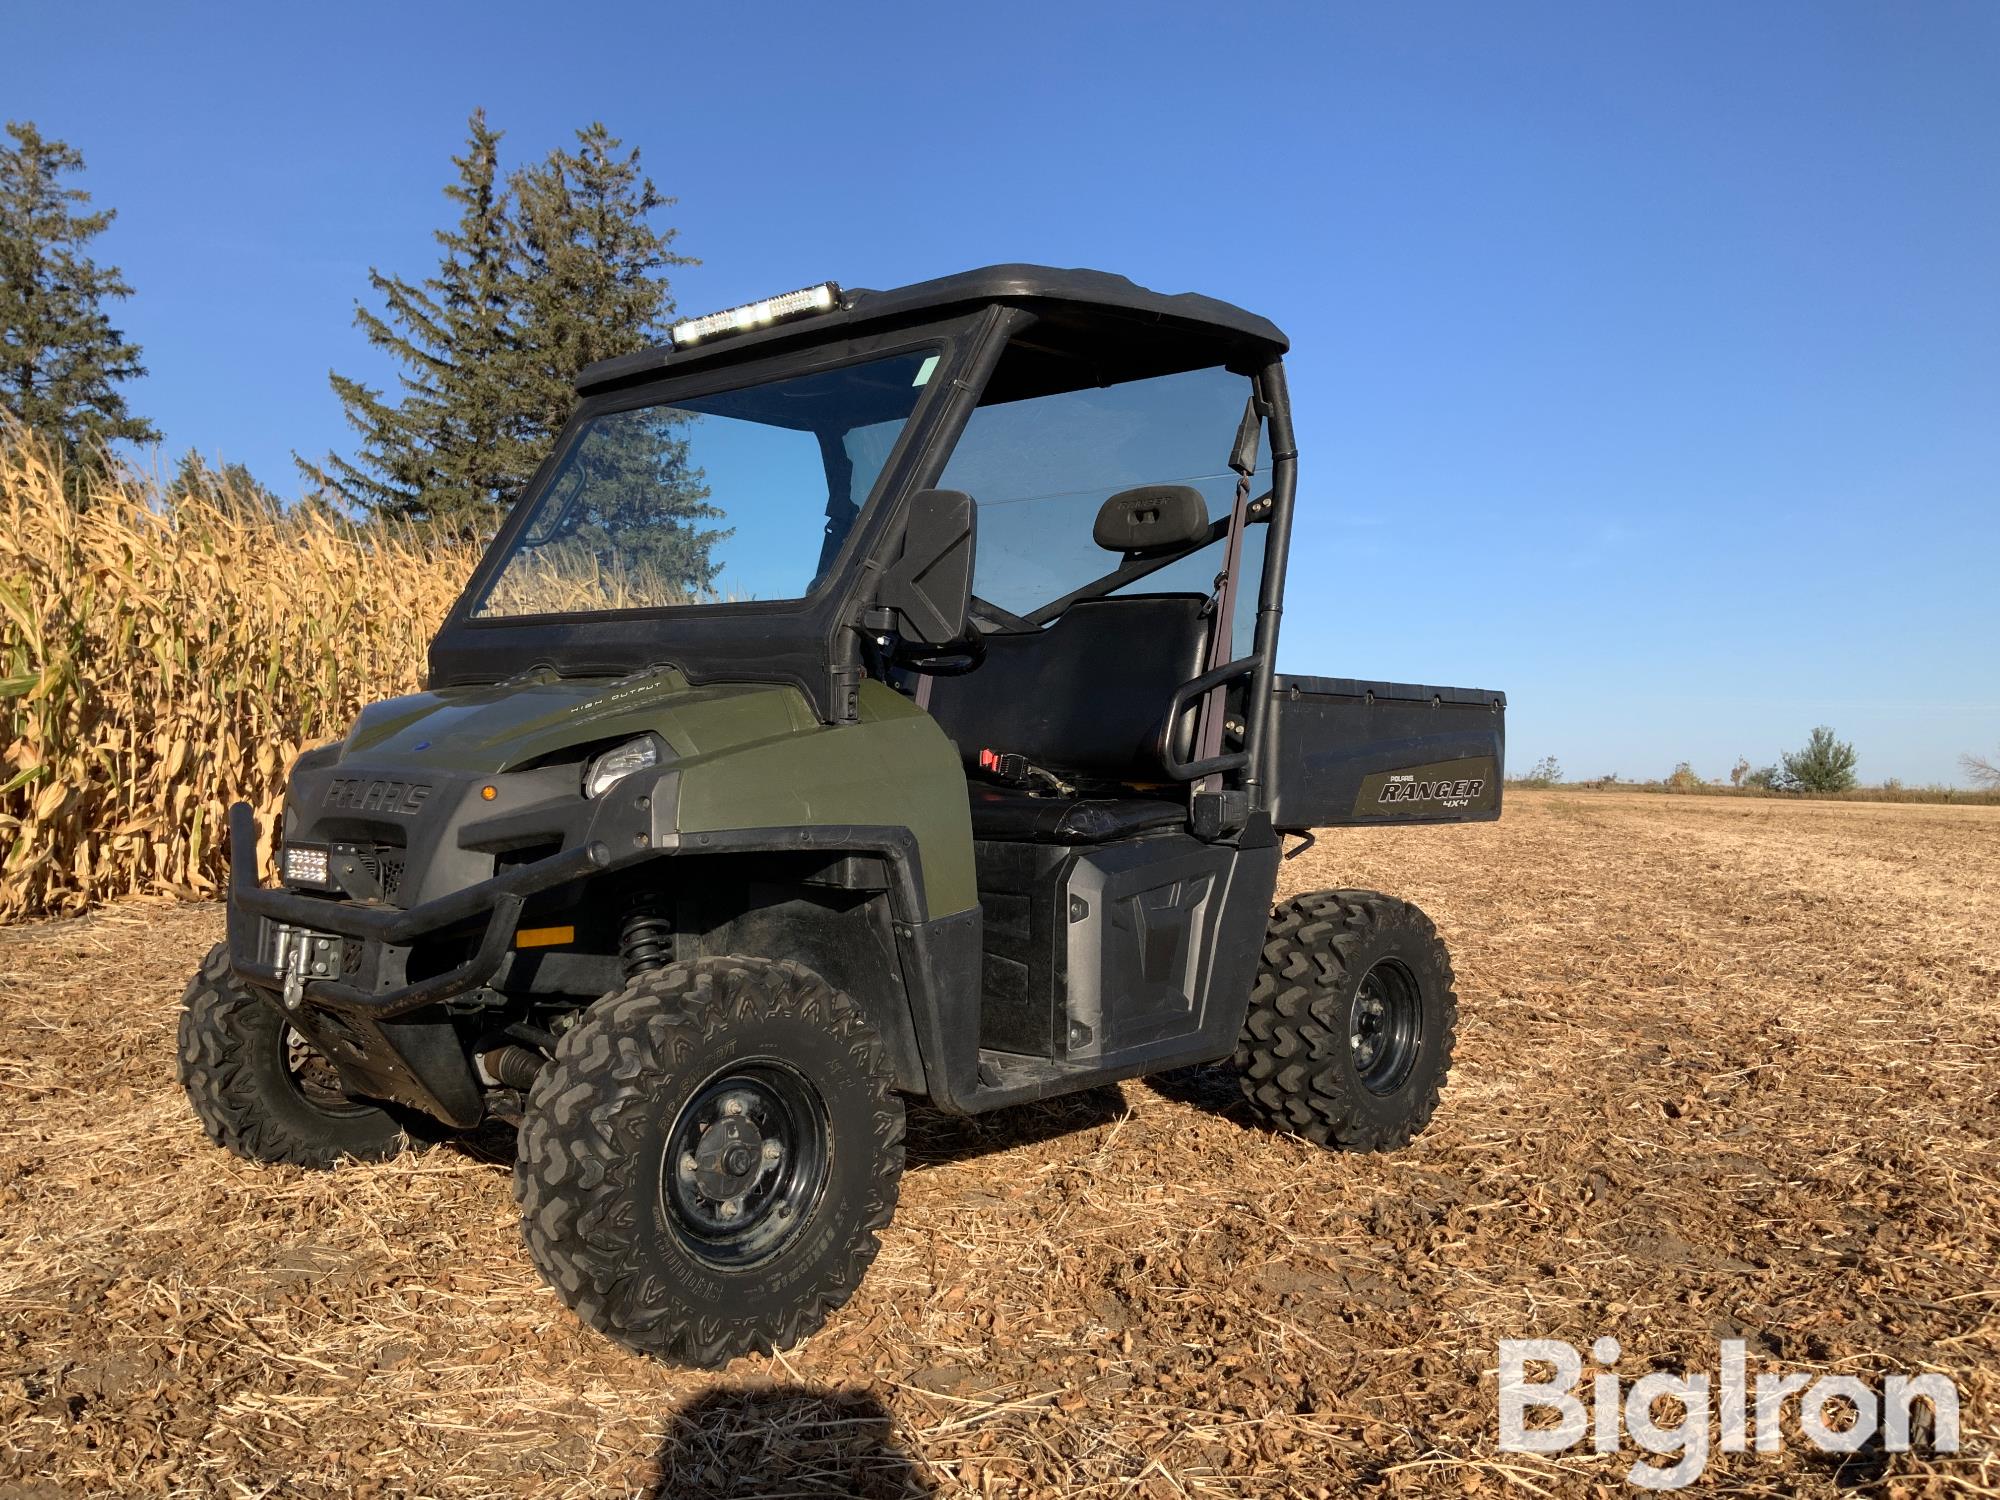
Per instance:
(1726,1070)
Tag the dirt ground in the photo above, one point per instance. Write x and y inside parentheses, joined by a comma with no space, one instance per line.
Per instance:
(1726,1070)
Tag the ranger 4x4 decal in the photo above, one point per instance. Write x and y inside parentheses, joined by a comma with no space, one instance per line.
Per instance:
(1450,788)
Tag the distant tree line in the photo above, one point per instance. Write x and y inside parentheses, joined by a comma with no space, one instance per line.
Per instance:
(545,269)
(1825,764)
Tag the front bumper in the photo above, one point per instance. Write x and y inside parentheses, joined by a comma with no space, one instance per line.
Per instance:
(499,900)
(364,1019)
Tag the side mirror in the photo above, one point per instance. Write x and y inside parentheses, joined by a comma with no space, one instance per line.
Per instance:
(930,585)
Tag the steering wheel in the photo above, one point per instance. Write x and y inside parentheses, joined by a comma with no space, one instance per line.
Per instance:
(993,614)
(953,659)
(956,658)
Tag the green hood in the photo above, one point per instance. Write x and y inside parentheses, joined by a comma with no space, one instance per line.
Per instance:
(748,755)
(515,723)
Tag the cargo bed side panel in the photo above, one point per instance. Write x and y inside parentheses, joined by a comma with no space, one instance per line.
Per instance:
(1346,752)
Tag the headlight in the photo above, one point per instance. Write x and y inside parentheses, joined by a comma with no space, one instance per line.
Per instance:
(305,864)
(616,764)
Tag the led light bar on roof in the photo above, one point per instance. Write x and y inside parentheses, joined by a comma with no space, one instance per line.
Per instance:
(803,303)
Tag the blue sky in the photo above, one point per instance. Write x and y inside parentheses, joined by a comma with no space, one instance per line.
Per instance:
(1647,359)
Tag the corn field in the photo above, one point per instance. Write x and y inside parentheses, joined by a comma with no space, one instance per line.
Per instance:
(160,660)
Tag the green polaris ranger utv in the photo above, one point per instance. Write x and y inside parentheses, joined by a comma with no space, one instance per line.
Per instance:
(871,698)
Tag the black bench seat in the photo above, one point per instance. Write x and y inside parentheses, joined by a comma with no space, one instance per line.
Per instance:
(1085,698)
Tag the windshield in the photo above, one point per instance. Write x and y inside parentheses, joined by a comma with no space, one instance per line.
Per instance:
(743,495)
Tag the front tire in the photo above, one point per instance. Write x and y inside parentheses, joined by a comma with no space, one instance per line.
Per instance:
(1352,1021)
(260,1089)
(704,1166)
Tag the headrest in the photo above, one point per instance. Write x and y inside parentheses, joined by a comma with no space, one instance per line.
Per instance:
(1151,519)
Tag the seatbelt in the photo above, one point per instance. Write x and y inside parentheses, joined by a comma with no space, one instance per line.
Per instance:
(1214,707)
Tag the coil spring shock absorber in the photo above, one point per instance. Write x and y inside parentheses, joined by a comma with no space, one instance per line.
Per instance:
(645,937)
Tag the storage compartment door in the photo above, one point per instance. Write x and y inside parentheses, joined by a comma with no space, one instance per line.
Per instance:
(1139,916)
(1345,752)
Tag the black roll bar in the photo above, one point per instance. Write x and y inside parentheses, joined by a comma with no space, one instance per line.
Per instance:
(1271,597)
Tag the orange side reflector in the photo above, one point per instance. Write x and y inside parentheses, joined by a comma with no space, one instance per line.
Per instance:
(543,937)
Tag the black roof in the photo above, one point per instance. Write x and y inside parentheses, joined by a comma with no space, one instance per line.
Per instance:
(1244,333)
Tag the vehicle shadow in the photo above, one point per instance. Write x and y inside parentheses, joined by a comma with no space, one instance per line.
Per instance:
(937,1139)
(1209,1087)
(735,1443)
(491,1144)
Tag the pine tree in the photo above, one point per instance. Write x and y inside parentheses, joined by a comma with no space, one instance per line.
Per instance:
(450,447)
(538,278)
(1825,764)
(589,257)
(60,359)
(229,487)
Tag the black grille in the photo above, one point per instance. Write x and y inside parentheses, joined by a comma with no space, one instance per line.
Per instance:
(383,866)
(388,869)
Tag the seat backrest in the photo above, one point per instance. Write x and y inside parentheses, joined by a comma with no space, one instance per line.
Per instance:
(1086,695)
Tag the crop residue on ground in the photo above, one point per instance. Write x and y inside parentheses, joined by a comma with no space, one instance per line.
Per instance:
(1727,1070)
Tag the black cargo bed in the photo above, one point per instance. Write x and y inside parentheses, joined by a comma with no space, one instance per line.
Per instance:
(1344,751)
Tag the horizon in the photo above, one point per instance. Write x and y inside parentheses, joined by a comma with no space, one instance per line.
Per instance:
(1645,364)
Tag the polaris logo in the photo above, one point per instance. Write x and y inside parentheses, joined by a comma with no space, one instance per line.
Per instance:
(1451,793)
(353,794)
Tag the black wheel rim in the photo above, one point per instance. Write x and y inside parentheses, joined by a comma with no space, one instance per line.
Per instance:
(1386,1027)
(312,1077)
(746,1162)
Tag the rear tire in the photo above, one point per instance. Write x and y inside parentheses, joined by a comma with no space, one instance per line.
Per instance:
(704,1166)
(1352,1021)
(259,1089)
